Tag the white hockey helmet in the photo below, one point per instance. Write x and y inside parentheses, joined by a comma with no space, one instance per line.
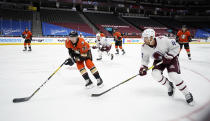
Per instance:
(98,35)
(148,33)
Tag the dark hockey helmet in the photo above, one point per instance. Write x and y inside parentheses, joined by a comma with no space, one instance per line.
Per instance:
(73,34)
(184,26)
(26,29)
(114,29)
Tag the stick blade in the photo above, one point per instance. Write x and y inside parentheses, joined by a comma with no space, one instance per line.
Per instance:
(95,95)
(18,100)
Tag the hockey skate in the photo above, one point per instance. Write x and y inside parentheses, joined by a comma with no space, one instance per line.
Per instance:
(123,52)
(25,49)
(171,89)
(117,52)
(100,83)
(112,56)
(29,49)
(89,84)
(189,99)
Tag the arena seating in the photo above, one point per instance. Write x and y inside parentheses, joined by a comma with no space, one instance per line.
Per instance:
(13,27)
(102,20)
(170,22)
(14,22)
(15,14)
(60,22)
(200,33)
(68,19)
(144,23)
(175,25)
(58,30)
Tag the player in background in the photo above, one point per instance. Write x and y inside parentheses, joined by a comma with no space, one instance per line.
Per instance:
(103,45)
(165,50)
(81,36)
(27,35)
(102,34)
(118,41)
(80,53)
(183,38)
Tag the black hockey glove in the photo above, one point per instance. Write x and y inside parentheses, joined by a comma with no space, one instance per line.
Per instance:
(69,61)
(190,39)
(23,36)
(119,38)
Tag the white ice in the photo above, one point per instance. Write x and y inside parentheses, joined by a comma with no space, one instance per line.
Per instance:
(64,97)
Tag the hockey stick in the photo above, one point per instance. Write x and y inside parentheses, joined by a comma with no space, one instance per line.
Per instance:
(99,94)
(17,100)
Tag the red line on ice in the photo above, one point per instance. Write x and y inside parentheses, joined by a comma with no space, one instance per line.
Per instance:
(198,109)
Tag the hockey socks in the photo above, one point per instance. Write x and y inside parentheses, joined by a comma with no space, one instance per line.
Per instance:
(95,73)
(89,83)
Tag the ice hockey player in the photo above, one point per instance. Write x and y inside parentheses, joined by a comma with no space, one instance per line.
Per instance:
(27,35)
(102,34)
(163,49)
(183,38)
(81,36)
(80,53)
(118,41)
(103,45)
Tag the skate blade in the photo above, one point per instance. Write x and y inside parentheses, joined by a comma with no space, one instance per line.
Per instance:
(100,86)
(191,103)
(90,86)
(112,57)
(173,93)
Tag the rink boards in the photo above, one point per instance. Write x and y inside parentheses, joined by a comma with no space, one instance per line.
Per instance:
(60,40)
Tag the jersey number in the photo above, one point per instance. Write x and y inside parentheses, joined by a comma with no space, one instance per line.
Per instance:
(173,42)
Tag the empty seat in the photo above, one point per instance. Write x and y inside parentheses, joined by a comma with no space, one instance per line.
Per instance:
(68,19)
(101,20)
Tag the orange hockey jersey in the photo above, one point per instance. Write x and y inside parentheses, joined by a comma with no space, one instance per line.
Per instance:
(183,36)
(117,36)
(27,34)
(81,45)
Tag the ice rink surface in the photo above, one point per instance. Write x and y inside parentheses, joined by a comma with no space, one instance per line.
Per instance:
(64,97)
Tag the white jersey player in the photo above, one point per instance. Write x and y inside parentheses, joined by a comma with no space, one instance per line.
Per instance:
(103,45)
(165,50)
(81,36)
